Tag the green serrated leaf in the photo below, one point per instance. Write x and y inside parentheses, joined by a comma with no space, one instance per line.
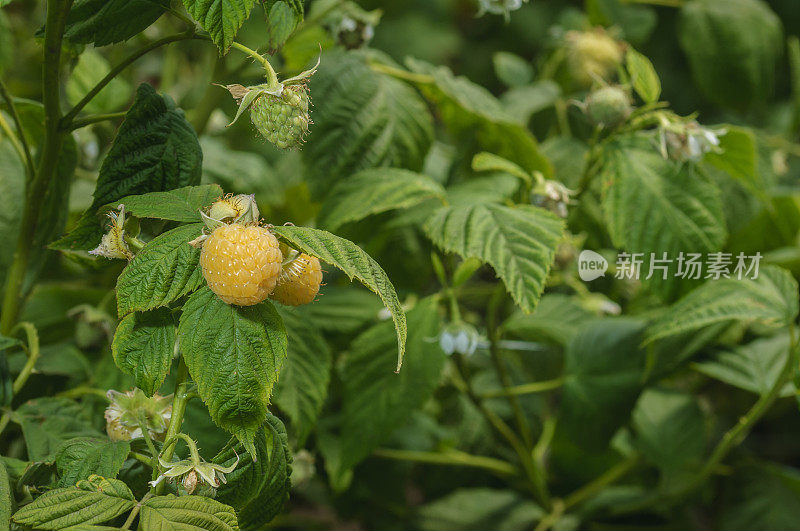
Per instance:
(143,346)
(234,355)
(91,501)
(6,499)
(166,269)
(557,318)
(109,21)
(738,157)
(376,401)
(182,204)
(373,191)
(770,299)
(643,75)
(186,512)
(355,263)
(259,489)
(220,18)
(733,48)
(655,206)
(283,17)
(47,422)
(82,457)
(155,150)
(754,366)
(303,384)
(368,120)
(518,242)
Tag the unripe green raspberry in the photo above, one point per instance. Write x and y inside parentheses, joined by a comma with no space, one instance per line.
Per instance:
(284,119)
(608,106)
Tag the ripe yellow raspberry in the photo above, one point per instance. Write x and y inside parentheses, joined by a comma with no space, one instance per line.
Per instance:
(299,281)
(241,263)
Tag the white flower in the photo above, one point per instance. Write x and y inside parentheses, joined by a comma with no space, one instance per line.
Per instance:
(688,141)
(499,7)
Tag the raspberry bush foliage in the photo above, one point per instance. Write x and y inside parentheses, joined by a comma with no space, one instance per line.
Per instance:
(373,264)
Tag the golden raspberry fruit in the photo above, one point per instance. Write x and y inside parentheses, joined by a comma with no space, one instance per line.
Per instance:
(241,263)
(299,281)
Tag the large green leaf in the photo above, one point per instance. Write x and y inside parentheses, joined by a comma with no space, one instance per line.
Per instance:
(166,269)
(6,499)
(373,191)
(186,512)
(376,401)
(155,150)
(283,17)
(91,501)
(108,21)
(350,258)
(754,366)
(143,346)
(12,193)
(557,318)
(653,205)
(182,204)
(259,489)
(48,421)
(343,309)
(771,299)
(733,48)
(303,383)
(368,120)
(518,242)
(480,508)
(470,109)
(220,18)
(234,355)
(604,371)
(737,156)
(79,458)
(759,495)
(670,428)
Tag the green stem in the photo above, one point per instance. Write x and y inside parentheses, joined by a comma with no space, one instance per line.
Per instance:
(95,118)
(272,77)
(33,356)
(401,74)
(23,143)
(179,400)
(610,476)
(535,477)
(525,389)
(149,442)
(77,392)
(66,122)
(660,3)
(192,447)
(149,461)
(53,138)
(135,511)
(493,326)
(450,457)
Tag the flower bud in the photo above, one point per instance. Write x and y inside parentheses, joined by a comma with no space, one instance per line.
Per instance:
(592,56)
(608,106)
(113,244)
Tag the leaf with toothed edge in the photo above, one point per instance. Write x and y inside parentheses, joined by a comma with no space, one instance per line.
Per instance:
(355,263)
(234,355)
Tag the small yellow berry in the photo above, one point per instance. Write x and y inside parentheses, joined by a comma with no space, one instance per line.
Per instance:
(241,263)
(299,281)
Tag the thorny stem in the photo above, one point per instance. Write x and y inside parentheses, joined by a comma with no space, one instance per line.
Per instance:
(149,461)
(450,457)
(272,77)
(535,476)
(53,138)
(23,143)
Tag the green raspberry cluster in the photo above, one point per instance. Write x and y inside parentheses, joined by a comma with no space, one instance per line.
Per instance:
(284,119)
